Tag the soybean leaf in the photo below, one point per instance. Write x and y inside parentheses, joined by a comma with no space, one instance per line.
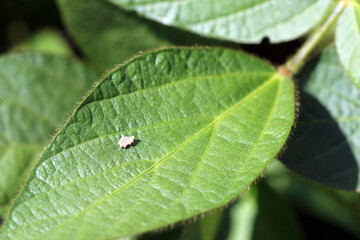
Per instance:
(348,41)
(111,35)
(326,146)
(37,91)
(259,214)
(3,208)
(207,121)
(245,21)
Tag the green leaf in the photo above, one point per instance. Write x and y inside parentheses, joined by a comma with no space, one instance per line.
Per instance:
(348,41)
(326,146)
(110,35)
(113,34)
(207,121)
(3,209)
(262,214)
(36,93)
(245,21)
(259,214)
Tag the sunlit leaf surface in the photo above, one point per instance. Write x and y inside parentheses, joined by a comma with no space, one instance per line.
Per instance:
(207,121)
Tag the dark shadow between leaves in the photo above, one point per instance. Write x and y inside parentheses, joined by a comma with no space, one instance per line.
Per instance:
(225,223)
(319,150)
(275,219)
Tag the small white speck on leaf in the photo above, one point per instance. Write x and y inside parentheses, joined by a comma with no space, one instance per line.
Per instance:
(126,141)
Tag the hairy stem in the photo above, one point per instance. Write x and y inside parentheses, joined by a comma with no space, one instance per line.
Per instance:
(294,63)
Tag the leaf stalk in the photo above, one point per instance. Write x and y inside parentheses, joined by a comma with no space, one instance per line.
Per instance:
(294,63)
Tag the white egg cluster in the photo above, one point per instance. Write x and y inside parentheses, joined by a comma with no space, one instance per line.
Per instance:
(126,141)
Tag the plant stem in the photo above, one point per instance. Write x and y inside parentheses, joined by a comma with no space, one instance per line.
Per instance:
(294,63)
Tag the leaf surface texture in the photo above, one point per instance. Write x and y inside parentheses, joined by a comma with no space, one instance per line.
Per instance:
(244,21)
(37,92)
(348,41)
(326,146)
(206,121)
(114,35)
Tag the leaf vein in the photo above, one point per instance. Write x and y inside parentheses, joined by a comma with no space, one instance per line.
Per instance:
(219,118)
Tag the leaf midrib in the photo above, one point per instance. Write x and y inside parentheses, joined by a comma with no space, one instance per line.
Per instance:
(154,88)
(218,119)
(99,137)
(247,158)
(238,74)
(276,100)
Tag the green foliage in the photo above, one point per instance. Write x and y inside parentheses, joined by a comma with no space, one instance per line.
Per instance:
(113,34)
(245,21)
(207,122)
(32,106)
(326,146)
(260,214)
(348,41)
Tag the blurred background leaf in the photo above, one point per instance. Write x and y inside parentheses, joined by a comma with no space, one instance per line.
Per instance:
(322,211)
(37,92)
(47,40)
(112,35)
(107,35)
(326,145)
(21,18)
